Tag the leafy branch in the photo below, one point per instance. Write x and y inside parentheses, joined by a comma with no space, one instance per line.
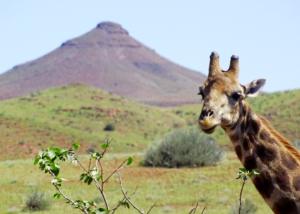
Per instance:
(48,161)
(245,174)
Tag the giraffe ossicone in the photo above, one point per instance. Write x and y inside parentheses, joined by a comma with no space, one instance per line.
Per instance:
(257,144)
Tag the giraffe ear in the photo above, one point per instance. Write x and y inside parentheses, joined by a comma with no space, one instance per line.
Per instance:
(252,89)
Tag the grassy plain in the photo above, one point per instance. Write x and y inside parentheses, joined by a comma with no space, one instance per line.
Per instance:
(172,190)
(77,113)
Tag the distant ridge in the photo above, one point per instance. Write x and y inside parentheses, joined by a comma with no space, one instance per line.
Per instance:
(106,57)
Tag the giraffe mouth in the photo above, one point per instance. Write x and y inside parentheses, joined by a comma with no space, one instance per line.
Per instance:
(209,130)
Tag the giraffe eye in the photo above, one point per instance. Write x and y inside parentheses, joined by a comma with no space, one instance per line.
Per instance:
(236,96)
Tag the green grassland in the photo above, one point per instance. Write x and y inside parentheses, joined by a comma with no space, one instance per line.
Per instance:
(172,190)
(78,113)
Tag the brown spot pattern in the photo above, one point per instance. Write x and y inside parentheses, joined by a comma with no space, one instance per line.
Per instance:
(264,135)
(282,179)
(235,137)
(253,127)
(246,144)
(253,139)
(238,151)
(265,154)
(288,161)
(263,183)
(285,206)
(250,163)
(243,126)
(296,183)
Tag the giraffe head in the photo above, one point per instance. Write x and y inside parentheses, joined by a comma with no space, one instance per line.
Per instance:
(222,94)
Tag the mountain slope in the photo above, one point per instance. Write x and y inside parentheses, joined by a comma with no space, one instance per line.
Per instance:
(107,57)
(78,113)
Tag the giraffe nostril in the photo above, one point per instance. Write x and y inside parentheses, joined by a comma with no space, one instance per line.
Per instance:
(205,113)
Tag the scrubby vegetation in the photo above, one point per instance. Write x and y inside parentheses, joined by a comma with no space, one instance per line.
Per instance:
(36,201)
(184,147)
(248,207)
(109,127)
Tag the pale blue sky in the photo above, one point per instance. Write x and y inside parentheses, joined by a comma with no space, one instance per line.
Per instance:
(265,34)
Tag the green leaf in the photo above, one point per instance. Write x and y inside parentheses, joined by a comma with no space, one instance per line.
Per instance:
(56,181)
(125,204)
(96,155)
(105,145)
(255,172)
(51,154)
(75,146)
(36,160)
(55,168)
(57,195)
(86,178)
(129,161)
(102,211)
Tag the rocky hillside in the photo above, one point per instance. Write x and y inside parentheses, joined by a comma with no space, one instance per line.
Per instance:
(107,57)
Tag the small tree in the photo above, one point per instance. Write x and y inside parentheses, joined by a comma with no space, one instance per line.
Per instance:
(48,161)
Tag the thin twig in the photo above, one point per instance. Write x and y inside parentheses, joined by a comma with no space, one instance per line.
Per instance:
(193,210)
(98,186)
(127,198)
(100,168)
(115,171)
(65,196)
(150,209)
(90,161)
(105,149)
(118,205)
(241,193)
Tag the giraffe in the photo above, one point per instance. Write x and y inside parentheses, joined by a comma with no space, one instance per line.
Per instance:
(257,144)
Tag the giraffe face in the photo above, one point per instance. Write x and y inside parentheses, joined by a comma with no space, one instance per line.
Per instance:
(222,94)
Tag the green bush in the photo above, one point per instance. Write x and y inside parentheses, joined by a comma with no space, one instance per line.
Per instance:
(109,127)
(36,201)
(184,147)
(247,208)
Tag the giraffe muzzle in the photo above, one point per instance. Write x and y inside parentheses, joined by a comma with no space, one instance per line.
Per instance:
(206,114)
(207,125)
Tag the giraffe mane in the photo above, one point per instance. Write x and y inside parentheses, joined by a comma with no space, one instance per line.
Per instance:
(285,142)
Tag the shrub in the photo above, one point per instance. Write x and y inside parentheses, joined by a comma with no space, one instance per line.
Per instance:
(185,147)
(247,208)
(36,201)
(109,127)
(91,149)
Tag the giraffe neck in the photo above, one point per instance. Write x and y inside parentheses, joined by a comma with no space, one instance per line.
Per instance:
(260,147)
